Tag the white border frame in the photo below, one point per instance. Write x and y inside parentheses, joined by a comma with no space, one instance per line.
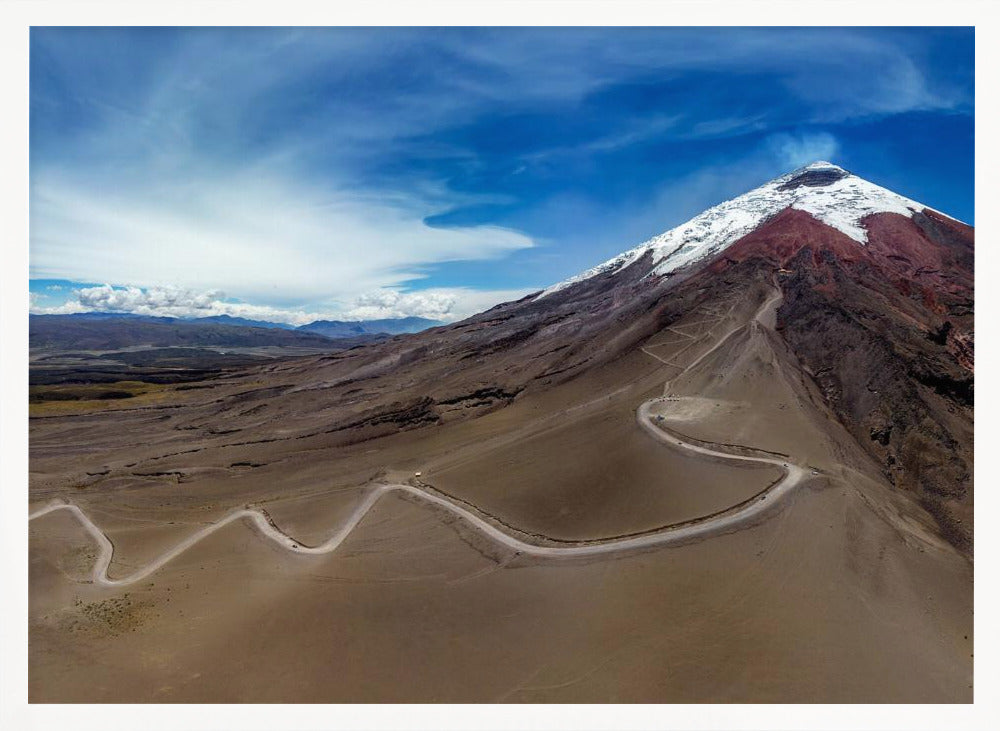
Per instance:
(16,16)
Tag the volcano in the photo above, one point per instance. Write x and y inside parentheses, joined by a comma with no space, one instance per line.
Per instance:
(733,463)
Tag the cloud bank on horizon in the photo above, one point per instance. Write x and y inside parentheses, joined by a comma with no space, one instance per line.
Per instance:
(368,173)
(172,301)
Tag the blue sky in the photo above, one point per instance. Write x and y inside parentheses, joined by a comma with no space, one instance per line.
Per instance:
(289,174)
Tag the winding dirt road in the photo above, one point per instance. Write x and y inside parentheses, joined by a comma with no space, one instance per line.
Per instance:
(721,522)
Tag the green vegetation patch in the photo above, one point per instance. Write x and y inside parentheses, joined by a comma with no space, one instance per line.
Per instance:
(90,391)
(71,398)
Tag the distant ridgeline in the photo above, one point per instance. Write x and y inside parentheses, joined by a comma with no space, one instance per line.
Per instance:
(110,331)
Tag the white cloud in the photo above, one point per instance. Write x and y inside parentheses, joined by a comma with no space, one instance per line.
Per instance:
(130,299)
(436,304)
(170,302)
(263,237)
(69,307)
(797,150)
(390,303)
(841,73)
(445,304)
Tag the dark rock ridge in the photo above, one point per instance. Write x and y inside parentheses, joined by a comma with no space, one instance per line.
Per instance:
(815,178)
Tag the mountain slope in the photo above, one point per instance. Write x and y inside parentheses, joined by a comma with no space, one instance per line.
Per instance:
(785,335)
(877,310)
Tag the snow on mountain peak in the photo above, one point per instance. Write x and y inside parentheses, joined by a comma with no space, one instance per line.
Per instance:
(819,164)
(826,191)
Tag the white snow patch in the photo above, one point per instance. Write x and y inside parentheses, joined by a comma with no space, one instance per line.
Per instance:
(842,205)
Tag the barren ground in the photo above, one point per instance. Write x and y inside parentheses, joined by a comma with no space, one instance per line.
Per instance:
(843,594)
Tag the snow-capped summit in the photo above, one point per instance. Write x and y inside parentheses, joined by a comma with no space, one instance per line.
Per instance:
(826,191)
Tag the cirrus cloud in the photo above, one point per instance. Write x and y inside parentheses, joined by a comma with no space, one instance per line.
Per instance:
(261,236)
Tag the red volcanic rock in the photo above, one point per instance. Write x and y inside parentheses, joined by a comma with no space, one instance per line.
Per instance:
(902,247)
(782,238)
(956,227)
(896,245)
(926,258)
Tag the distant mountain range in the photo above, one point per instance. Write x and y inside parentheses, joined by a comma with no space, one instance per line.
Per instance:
(341,329)
(242,321)
(112,331)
